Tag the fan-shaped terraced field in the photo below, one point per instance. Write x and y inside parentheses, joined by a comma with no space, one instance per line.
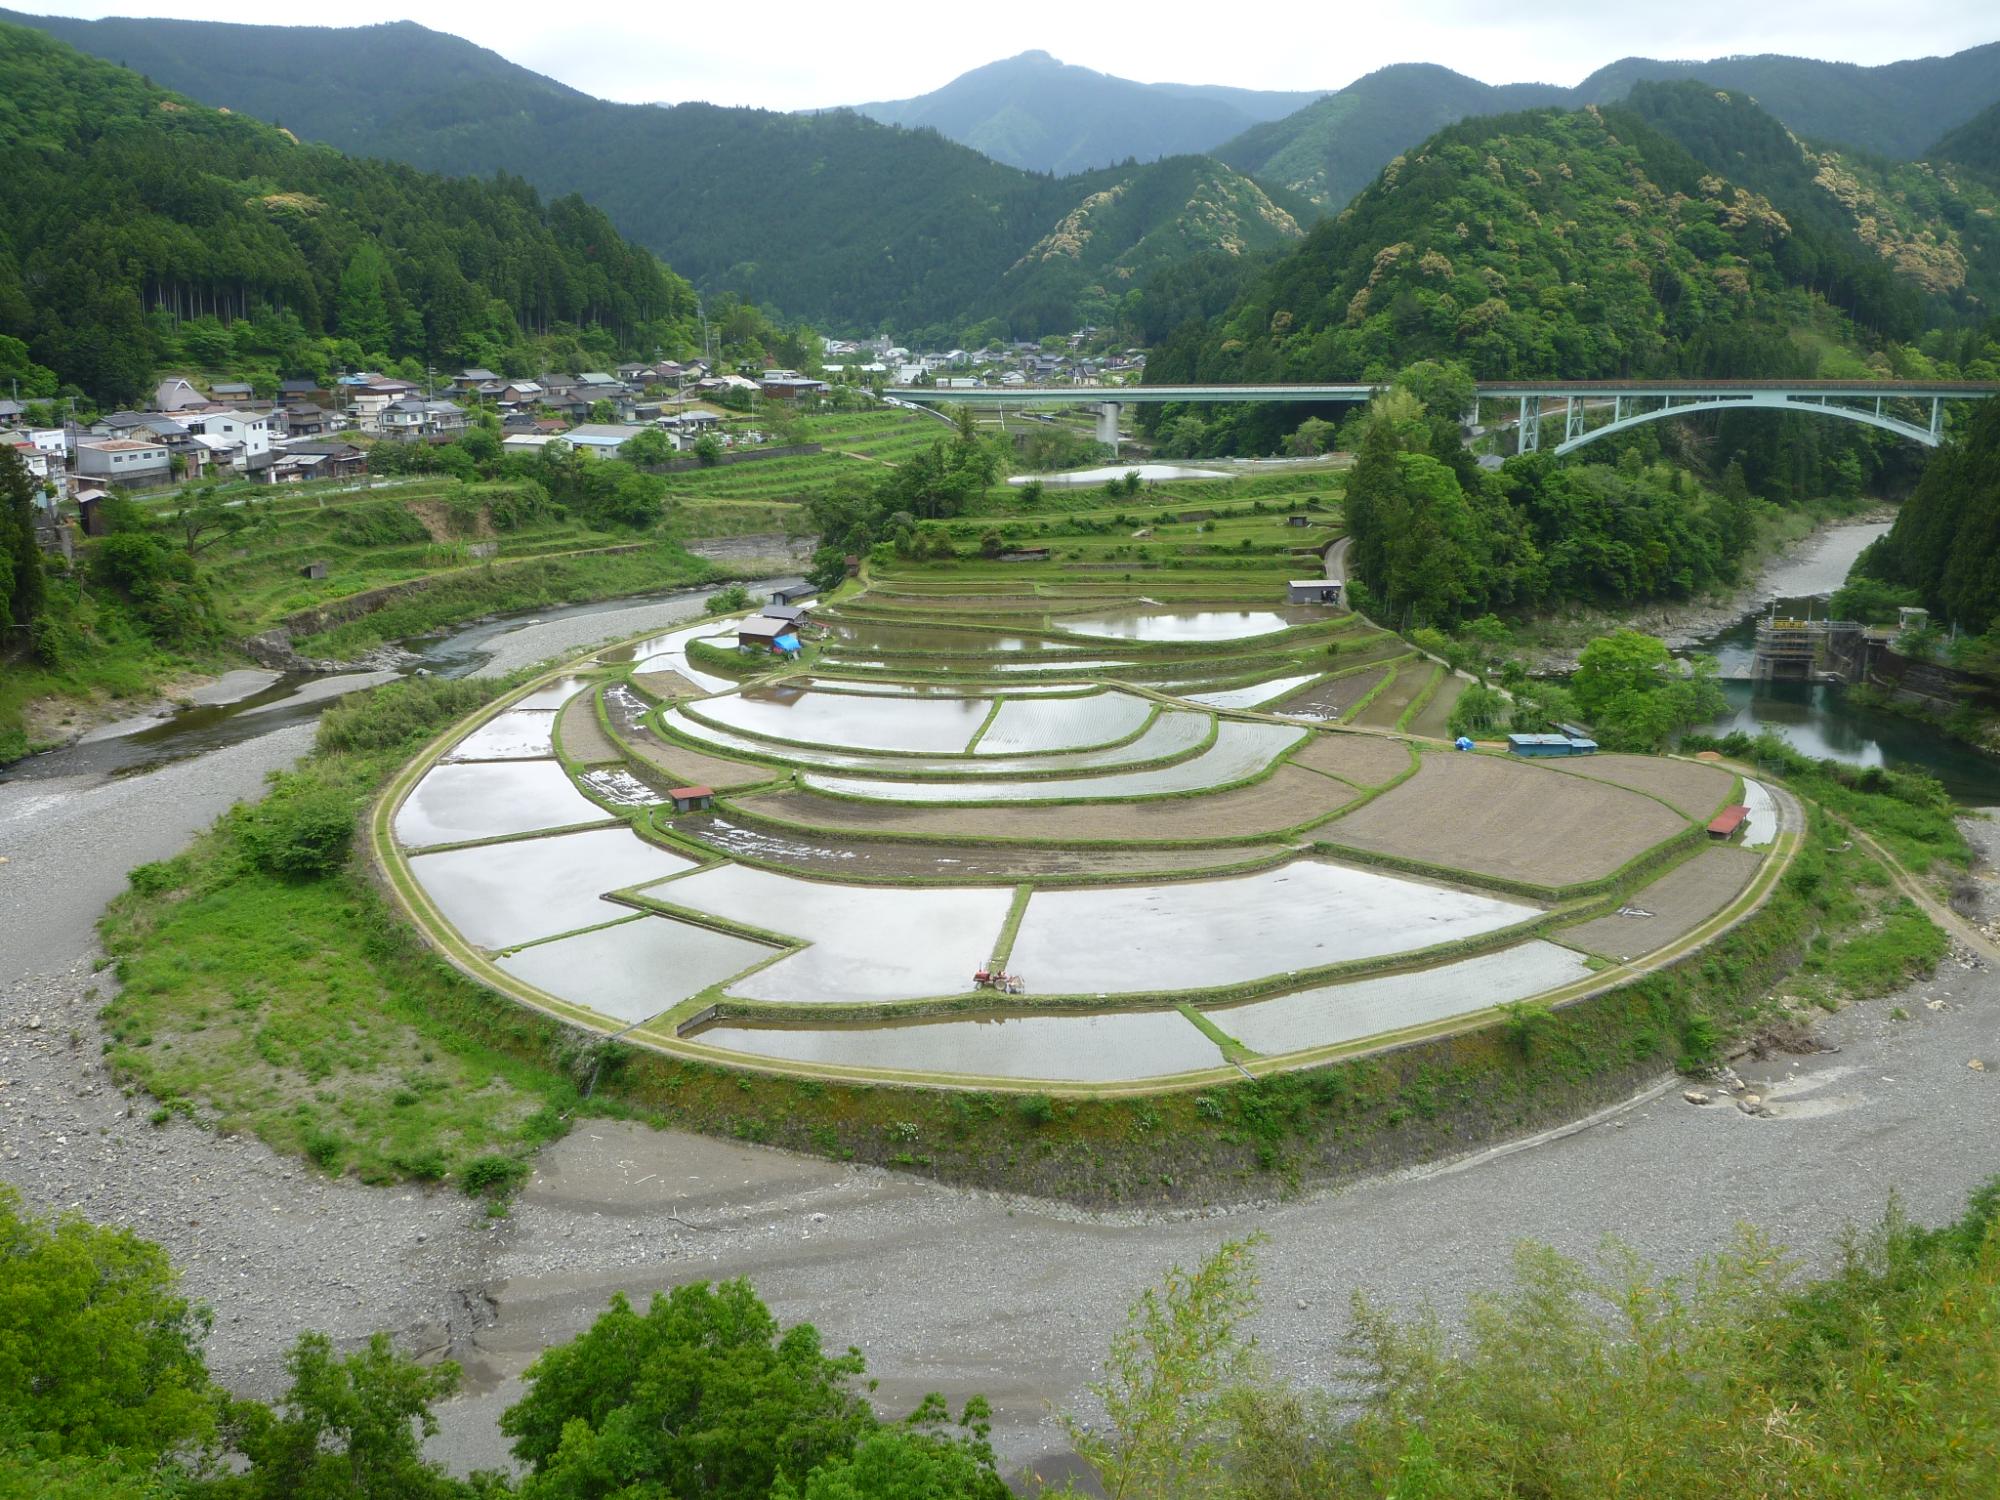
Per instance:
(1178,867)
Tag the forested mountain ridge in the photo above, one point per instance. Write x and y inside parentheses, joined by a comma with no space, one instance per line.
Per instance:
(1973,146)
(834,218)
(1578,243)
(1333,148)
(132,219)
(1034,112)
(1928,230)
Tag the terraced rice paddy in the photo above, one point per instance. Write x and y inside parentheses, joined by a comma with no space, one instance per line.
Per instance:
(1239,752)
(1332,1015)
(1148,815)
(1668,908)
(1204,934)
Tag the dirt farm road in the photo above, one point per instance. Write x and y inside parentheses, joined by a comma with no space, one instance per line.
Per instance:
(948,1290)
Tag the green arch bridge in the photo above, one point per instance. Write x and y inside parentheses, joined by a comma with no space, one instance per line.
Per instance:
(1588,409)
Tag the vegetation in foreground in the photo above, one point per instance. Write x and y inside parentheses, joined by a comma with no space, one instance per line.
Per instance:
(1576,1381)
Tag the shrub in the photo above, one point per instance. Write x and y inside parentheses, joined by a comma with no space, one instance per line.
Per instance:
(299,834)
(493,1176)
(729,600)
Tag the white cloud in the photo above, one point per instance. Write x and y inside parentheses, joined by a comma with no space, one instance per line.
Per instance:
(794,54)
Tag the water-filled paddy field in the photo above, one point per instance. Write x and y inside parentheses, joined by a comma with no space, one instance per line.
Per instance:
(1171,822)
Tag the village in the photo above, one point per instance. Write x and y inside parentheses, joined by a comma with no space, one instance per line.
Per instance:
(306,429)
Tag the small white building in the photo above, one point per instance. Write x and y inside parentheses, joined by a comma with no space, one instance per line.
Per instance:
(602,438)
(237,437)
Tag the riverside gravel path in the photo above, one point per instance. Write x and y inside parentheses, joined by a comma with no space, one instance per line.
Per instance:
(956,1291)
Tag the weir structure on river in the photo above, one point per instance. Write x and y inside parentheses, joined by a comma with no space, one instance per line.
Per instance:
(1590,409)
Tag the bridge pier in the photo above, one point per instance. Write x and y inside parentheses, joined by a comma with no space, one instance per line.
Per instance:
(1107,424)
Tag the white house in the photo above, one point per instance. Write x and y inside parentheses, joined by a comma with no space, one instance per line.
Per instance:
(243,436)
(602,438)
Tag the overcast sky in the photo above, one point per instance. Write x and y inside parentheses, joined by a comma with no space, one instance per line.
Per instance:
(795,54)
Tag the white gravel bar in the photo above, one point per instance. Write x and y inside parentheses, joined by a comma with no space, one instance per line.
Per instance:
(636,970)
(455,804)
(500,894)
(1083,1048)
(1239,751)
(1198,933)
(1335,1013)
(867,942)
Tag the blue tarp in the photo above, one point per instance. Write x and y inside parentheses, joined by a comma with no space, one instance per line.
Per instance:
(787,643)
(1462,743)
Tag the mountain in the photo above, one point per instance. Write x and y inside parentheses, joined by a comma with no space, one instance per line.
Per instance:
(1975,145)
(1047,116)
(138,228)
(1331,149)
(1946,540)
(1897,231)
(833,218)
(1582,243)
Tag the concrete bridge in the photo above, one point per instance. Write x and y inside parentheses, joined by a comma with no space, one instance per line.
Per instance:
(1590,409)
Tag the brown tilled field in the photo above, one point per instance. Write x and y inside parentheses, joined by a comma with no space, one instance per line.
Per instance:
(1680,901)
(1362,759)
(1334,698)
(582,737)
(665,685)
(1387,706)
(1694,788)
(693,768)
(1493,815)
(1287,798)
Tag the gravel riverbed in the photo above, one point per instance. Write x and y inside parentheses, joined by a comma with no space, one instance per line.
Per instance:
(944,1290)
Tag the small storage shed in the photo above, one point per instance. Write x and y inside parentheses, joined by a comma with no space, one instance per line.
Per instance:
(793,593)
(1728,821)
(1314,590)
(315,570)
(789,612)
(761,632)
(691,798)
(1538,744)
(1298,518)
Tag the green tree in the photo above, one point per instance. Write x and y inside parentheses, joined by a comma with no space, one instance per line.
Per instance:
(1168,1380)
(917,1460)
(363,300)
(21,586)
(1310,438)
(648,446)
(348,1429)
(1630,689)
(99,1353)
(702,1395)
(204,518)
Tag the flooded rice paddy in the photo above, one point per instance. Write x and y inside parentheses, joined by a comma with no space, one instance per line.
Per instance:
(1179,625)
(868,943)
(1251,696)
(1202,933)
(501,894)
(457,803)
(1332,1014)
(1174,732)
(936,725)
(1239,752)
(1036,725)
(1113,1047)
(518,734)
(637,969)
(1760,828)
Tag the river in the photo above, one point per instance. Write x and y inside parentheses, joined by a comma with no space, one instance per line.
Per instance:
(1819,719)
(277,701)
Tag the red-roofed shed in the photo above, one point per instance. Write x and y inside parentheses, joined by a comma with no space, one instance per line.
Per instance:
(691,798)
(1728,821)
